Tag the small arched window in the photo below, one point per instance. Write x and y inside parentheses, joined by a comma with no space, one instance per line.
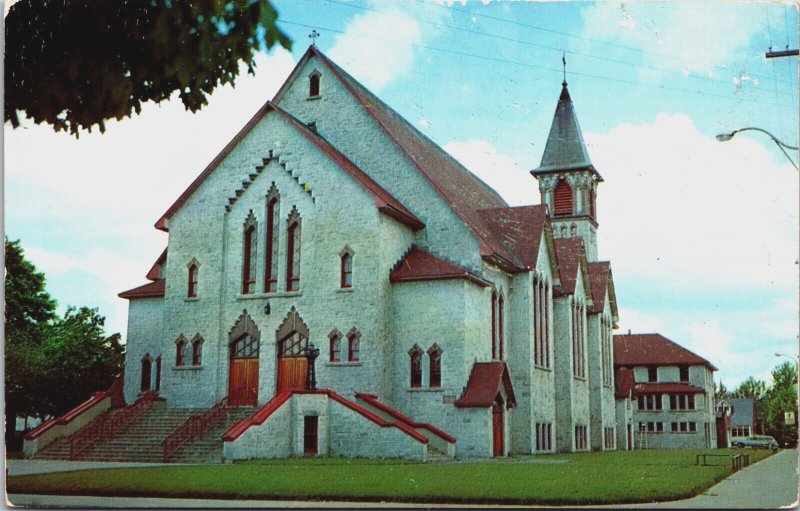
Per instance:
(192,289)
(147,369)
(354,347)
(494,323)
(562,199)
(250,254)
(313,85)
(435,355)
(197,351)
(273,228)
(158,373)
(416,366)
(347,270)
(180,351)
(336,348)
(500,333)
(293,252)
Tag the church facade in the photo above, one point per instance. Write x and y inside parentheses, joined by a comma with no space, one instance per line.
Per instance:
(445,321)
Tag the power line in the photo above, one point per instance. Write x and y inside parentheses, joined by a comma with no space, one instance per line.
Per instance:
(533,66)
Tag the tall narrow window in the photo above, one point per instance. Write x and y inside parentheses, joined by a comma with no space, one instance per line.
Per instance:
(494,324)
(158,373)
(347,270)
(293,252)
(416,366)
(354,346)
(147,369)
(273,229)
(684,373)
(313,85)
(547,306)
(197,351)
(192,291)
(652,374)
(500,333)
(249,264)
(336,349)
(562,199)
(180,351)
(435,355)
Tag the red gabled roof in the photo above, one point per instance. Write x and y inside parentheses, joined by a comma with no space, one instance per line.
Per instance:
(149,290)
(624,383)
(485,383)
(520,229)
(420,265)
(571,260)
(384,201)
(153,274)
(667,388)
(464,192)
(653,349)
(598,276)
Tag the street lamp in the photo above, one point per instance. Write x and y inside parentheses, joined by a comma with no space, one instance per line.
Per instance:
(796,360)
(724,137)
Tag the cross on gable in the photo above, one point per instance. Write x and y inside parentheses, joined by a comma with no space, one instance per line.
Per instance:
(313,36)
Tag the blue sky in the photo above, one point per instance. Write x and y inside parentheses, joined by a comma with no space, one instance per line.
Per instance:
(702,235)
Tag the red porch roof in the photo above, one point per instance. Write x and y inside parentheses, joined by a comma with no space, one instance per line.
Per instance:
(149,290)
(420,265)
(485,383)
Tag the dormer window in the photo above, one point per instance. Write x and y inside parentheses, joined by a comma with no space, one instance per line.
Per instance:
(313,85)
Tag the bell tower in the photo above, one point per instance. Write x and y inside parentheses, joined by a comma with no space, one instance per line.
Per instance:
(568,180)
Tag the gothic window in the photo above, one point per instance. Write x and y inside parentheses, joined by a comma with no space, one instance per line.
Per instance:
(246,346)
(578,339)
(292,336)
(563,231)
(158,373)
(573,230)
(347,270)
(416,366)
(500,333)
(293,252)
(494,324)
(336,349)
(273,229)
(313,85)
(192,288)
(435,355)
(197,350)
(250,247)
(353,347)
(147,368)
(592,200)
(180,351)
(562,199)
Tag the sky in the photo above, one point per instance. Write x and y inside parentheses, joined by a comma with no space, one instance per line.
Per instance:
(702,235)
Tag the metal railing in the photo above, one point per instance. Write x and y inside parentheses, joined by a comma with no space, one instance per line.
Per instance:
(194,427)
(106,426)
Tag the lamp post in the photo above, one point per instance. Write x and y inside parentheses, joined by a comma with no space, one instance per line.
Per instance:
(724,137)
(311,353)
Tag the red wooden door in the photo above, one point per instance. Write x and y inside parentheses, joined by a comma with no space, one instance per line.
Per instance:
(497,429)
(243,382)
(292,373)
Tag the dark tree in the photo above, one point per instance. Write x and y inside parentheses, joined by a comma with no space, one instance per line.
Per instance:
(751,388)
(77,63)
(781,397)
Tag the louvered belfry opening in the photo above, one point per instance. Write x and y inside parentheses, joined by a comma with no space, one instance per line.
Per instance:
(562,199)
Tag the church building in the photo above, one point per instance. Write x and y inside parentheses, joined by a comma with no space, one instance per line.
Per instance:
(364,294)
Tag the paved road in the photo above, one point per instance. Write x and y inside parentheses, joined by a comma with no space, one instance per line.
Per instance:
(770,484)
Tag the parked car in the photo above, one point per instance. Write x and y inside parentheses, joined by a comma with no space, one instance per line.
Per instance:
(757,442)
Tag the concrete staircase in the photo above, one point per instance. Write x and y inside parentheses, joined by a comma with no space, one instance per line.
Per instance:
(141,440)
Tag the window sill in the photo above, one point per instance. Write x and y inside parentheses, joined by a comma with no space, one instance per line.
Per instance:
(187,368)
(312,98)
(345,290)
(579,378)
(543,368)
(276,294)
(344,363)
(425,389)
(650,411)
(192,299)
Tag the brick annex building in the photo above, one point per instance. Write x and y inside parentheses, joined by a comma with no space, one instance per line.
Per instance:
(447,322)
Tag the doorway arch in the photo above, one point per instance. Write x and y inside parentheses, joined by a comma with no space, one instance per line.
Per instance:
(292,340)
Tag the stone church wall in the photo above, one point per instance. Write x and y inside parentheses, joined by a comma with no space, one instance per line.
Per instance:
(145,317)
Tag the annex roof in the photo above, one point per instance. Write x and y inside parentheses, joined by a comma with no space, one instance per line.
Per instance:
(153,289)
(624,383)
(667,388)
(419,265)
(571,260)
(602,280)
(565,148)
(743,411)
(463,192)
(155,270)
(485,383)
(384,201)
(653,349)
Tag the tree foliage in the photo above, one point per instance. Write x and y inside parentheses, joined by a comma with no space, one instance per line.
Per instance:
(77,63)
(751,388)
(779,398)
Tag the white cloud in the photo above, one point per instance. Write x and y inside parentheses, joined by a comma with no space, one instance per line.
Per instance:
(499,171)
(378,47)
(693,212)
(697,34)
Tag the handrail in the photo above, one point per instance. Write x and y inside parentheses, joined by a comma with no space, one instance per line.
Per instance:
(194,427)
(106,426)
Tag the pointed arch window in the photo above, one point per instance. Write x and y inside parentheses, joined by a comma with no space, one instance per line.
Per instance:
(147,369)
(158,373)
(435,367)
(192,287)
(415,355)
(494,324)
(313,84)
(562,199)
(273,233)
(250,255)
(335,346)
(347,269)
(180,351)
(500,332)
(293,252)
(197,350)
(354,346)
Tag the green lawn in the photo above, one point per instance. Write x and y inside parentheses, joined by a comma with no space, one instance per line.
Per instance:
(586,478)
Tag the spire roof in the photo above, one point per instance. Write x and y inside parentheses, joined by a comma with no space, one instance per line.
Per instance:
(565,148)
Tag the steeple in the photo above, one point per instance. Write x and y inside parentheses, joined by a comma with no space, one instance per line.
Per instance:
(567,179)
